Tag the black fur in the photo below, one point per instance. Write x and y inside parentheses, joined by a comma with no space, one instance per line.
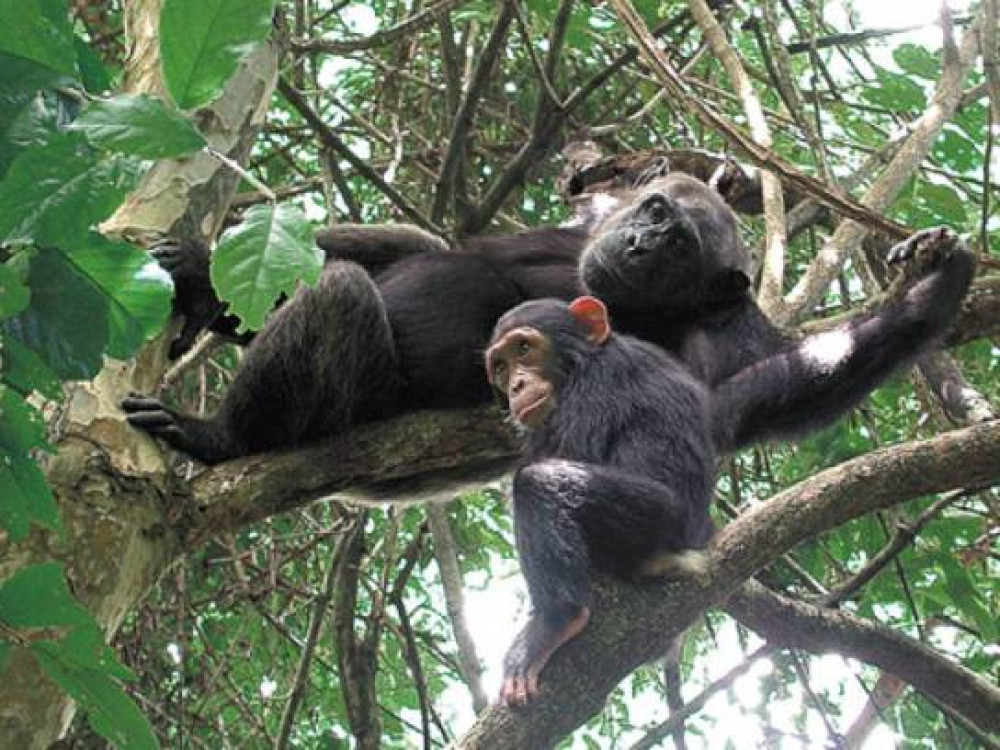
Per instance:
(672,269)
(398,321)
(621,472)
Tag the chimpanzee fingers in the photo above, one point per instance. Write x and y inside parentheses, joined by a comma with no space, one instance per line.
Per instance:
(137,402)
(531,685)
(168,254)
(152,421)
(926,246)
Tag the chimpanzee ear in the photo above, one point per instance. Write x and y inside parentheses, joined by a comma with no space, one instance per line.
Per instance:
(592,313)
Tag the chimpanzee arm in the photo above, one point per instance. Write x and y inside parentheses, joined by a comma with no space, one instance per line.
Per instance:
(824,375)
(187,262)
(376,247)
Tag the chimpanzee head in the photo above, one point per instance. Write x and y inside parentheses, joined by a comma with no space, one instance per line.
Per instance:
(665,249)
(536,347)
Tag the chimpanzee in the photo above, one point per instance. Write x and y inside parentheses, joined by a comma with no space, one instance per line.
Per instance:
(623,439)
(407,334)
(671,268)
(397,321)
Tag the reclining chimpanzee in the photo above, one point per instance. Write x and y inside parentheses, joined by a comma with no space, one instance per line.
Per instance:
(623,439)
(405,328)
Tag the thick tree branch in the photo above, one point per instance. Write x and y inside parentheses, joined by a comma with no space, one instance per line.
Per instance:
(421,448)
(968,458)
(883,191)
(786,622)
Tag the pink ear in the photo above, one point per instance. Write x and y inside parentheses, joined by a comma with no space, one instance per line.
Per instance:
(592,313)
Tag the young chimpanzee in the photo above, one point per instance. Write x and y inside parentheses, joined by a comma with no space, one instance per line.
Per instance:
(623,439)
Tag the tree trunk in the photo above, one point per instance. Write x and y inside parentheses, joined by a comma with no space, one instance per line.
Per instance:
(109,480)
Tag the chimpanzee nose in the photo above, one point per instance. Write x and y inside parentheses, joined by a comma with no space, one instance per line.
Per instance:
(635,248)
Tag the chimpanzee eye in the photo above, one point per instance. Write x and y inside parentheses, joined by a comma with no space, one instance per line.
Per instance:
(524,348)
(499,372)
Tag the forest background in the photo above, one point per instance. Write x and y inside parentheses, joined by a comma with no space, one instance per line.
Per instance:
(254,604)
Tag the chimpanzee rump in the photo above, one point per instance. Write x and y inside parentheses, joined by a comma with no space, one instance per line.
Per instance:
(623,439)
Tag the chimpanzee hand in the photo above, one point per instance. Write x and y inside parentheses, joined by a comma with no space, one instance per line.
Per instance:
(149,414)
(187,262)
(199,438)
(182,259)
(924,252)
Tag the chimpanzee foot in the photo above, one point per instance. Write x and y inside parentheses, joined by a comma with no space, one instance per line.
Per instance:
(193,436)
(532,650)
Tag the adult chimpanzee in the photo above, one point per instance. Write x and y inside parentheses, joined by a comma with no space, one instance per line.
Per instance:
(397,321)
(623,439)
(408,333)
(672,270)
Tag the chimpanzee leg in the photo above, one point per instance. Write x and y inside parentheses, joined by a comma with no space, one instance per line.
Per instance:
(566,514)
(324,360)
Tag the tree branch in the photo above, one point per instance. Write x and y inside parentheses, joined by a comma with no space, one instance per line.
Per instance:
(786,622)
(425,449)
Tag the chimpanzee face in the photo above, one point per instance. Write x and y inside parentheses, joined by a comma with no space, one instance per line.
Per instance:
(661,250)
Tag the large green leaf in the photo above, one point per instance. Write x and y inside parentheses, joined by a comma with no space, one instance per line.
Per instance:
(895,92)
(21,428)
(24,497)
(138,125)
(93,74)
(201,42)
(29,33)
(83,666)
(14,295)
(52,195)
(138,291)
(37,597)
(66,323)
(263,258)
(23,370)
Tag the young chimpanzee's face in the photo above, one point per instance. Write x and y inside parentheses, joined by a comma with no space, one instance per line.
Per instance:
(527,359)
(519,363)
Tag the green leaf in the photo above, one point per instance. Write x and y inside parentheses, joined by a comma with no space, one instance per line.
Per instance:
(21,427)
(202,41)
(25,496)
(37,597)
(93,74)
(83,666)
(27,33)
(263,258)
(140,126)
(52,195)
(14,295)
(917,61)
(66,324)
(138,291)
(895,92)
(942,203)
(25,371)
(958,151)
(966,598)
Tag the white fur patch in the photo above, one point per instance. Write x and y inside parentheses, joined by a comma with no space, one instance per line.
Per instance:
(594,210)
(827,350)
(692,562)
